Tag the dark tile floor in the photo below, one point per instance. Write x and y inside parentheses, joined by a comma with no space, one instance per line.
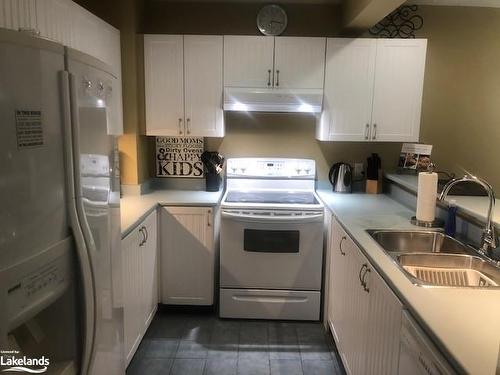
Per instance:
(201,344)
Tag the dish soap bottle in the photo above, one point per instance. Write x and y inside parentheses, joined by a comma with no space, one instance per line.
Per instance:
(451,223)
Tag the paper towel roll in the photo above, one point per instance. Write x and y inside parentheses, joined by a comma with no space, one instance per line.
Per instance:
(426,196)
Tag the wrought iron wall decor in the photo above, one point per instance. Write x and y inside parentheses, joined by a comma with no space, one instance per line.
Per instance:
(402,23)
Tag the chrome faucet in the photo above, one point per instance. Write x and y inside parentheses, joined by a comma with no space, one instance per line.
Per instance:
(489,240)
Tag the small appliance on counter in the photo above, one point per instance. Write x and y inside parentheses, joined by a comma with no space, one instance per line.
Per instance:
(340,176)
(373,174)
(214,163)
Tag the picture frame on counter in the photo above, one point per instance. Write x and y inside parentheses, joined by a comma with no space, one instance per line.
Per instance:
(414,158)
(179,157)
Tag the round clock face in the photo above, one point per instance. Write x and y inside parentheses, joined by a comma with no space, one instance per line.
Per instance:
(272,20)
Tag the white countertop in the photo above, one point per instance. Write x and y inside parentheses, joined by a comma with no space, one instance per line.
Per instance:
(473,206)
(463,322)
(134,208)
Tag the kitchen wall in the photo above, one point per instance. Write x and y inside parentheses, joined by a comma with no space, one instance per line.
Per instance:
(265,134)
(236,18)
(285,135)
(460,112)
(135,148)
(461,101)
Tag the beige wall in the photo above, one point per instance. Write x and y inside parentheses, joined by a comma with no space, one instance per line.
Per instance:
(461,101)
(236,18)
(286,135)
(135,148)
(265,134)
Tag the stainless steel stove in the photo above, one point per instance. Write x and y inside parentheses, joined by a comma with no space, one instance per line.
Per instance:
(271,240)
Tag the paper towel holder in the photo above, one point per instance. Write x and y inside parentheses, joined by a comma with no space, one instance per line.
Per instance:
(436,223)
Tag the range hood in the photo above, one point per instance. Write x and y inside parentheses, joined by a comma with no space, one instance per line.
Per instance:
(273,100)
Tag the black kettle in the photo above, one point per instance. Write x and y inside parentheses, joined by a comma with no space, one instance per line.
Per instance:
(340,176)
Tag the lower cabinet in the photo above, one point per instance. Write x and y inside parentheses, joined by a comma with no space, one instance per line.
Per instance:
(140,282)
(363,313)
(187,255)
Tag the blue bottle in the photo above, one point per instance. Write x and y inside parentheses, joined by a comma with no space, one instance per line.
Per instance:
(451,223)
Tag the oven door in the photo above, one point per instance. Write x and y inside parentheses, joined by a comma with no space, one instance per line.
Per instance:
(271,249)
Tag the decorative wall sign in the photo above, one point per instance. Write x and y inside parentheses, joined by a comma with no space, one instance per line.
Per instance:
(29,130)
(401,23)
(179,157)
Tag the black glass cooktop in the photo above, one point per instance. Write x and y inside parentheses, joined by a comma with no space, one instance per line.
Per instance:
(271,197)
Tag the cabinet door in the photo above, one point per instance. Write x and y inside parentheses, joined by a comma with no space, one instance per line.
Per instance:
(164,84)
(348,93)
(248,61)
(337,295)
(299,62)
(203,85)
(149,253)
(132,291)
(187,255)
(18,15)
(397,100)
(355,314)
(383,328)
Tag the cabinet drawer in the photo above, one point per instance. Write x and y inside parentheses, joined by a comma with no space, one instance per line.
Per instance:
(270,304)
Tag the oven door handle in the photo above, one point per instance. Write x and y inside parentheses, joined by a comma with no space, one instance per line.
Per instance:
(272,219)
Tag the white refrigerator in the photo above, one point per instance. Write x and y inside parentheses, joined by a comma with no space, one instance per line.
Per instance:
(60,263)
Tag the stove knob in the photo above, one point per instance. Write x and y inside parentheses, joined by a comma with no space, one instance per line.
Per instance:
(234,170)
(298,170)
(243,170)
(307,171)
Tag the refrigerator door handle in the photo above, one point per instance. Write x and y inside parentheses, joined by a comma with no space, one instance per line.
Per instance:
(81,230)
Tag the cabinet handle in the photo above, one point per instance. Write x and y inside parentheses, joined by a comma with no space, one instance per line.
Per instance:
(188,126)
(269,77)
(180,126)
(209,224)
(147,234)
(277,78)
(367,131)
(340,246)
(141,231)
(359,274)
(365,285)
(374,131)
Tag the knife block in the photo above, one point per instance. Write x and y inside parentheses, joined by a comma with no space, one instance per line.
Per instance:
(374,186)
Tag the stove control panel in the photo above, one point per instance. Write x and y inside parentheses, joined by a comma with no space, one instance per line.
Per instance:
(271,168)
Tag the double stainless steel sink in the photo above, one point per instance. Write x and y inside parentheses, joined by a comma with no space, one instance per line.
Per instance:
(434,259)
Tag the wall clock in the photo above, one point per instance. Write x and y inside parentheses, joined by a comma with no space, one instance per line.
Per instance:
(272,20)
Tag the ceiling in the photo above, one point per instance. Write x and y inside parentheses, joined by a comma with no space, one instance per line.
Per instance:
(256,1)
(469,3)
(465,3)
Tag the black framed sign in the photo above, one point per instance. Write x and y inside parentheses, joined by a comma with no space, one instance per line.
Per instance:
(179,157)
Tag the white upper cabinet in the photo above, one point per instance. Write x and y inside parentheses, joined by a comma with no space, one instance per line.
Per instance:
(164,72)
(18,14)
(348,94)
(274,62)
(95,37)
(397,95)
(203,85)
(248,61)
(183,81)
(373,90)
(299,62)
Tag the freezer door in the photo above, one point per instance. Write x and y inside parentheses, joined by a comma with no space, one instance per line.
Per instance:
(32,194)
(98,207)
